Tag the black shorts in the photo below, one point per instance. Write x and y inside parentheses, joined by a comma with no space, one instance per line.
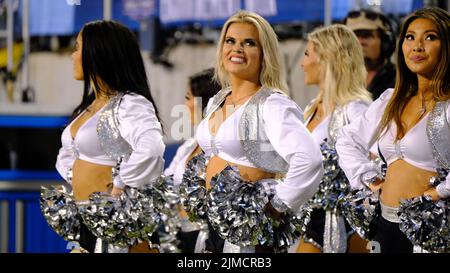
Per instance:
(89,240)
(188,240)
(316,228)
(391,238)
(214,243)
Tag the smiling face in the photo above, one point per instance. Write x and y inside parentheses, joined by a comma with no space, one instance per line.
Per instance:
(77,59)
(241,52)
(422,47)
(310,65)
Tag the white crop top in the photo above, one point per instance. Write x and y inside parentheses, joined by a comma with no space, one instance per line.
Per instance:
(321,131)
(283,124)
(407,148)
(353,109)
(225,143)
(86,144)
(138,125)
(353,144)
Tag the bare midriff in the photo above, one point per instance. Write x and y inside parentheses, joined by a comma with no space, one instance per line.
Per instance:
(249,174)
(404,181)
(90,177)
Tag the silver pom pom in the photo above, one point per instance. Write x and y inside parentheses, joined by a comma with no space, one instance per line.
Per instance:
(426,223)
(236,210)
(123,221)
(166,200)
(360,208)
(193,188)
(302,217)
(60,211)
(334,185)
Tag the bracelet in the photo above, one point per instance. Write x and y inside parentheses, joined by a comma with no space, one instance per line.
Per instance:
(369,177)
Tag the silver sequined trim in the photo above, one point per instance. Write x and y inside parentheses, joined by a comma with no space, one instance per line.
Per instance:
(112,143)
(254,140)
(338,120)
(438,131)
(335,235)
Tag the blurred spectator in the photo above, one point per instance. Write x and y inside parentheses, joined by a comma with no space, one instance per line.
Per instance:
(377,38)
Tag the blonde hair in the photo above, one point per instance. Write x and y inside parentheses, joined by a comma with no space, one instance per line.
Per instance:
(272,70)
(342,68)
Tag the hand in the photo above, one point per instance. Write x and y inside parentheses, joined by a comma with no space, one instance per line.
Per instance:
(377,185)
(433,193)
(116,192)
(272,211)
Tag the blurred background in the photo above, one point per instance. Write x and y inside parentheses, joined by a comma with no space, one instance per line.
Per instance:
(177,38)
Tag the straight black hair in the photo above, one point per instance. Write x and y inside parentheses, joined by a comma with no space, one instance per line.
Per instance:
(111,57)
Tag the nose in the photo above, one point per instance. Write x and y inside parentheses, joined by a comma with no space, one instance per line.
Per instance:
(418,47)
(238,47)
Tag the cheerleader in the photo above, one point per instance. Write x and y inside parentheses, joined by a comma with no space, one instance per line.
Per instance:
(409,124)
(114,140)
(334,61)
(202,87)
(253,137)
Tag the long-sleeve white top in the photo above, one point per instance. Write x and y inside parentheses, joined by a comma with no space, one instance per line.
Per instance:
(138,125)
(283,124)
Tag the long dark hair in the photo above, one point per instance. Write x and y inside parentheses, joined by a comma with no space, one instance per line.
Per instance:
(204,85)
(111,57)
(406,83)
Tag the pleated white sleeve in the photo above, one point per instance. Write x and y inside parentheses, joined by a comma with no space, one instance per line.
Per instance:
(139,126)
(355,139)
(283,121)
(64,162)
(355,109)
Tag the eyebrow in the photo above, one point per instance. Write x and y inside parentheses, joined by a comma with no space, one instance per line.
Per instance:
(245,39)
(426,31)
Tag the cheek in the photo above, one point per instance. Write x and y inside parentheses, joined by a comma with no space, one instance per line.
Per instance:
(377,44)
(311,66)
(190,105)
(305,64)
(405,48)
(436,52)
(225,50)
(254,54)
(78,61)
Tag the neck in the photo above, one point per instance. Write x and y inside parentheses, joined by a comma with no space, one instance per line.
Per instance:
(423,89)
(241,88)
(103,92)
